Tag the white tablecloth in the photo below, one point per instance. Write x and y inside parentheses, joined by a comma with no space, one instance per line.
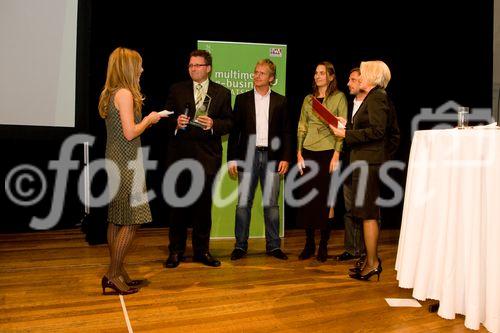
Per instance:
(449,246)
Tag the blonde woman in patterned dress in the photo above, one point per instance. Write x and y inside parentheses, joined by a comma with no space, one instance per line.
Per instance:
(120,105)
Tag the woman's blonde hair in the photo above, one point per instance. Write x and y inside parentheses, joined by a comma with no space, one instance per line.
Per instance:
(124,71)
(376,73)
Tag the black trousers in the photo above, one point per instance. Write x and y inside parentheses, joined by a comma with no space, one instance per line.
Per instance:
(198,215)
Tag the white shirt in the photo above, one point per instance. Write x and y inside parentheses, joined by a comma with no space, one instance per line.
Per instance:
(355,108)
(262,117)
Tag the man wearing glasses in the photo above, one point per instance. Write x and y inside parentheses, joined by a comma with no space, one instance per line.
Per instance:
(202,115)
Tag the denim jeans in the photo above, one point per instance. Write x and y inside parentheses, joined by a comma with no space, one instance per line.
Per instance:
(270,184)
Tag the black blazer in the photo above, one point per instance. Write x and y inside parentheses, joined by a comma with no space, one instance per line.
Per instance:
(374,135)
(245,125)
(194,142)
(346,150)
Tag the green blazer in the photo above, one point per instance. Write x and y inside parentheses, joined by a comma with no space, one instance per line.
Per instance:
(312,132)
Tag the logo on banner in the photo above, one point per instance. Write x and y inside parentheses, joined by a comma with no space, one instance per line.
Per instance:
(276,52)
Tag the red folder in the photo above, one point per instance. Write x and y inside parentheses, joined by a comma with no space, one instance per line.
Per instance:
(324,113)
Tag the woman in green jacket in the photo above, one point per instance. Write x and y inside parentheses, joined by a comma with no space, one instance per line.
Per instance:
(317,145)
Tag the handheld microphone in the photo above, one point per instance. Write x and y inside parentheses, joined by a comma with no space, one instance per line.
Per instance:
(186,113)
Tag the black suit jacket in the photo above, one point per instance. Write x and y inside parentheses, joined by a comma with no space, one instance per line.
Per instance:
(374,135)
(346,150)
(194,142)
(245,125)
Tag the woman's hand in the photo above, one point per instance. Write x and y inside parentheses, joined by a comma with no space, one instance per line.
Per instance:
(300,163)
(334,162)
(153,118)
(340,132)
(343,121)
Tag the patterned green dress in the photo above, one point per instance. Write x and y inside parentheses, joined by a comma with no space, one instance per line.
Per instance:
(124,162)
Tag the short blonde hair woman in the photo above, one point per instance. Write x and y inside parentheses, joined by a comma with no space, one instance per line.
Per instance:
(120,104)
(375,73)
(373,137)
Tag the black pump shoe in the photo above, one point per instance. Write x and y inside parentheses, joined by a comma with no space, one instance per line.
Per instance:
(368,275)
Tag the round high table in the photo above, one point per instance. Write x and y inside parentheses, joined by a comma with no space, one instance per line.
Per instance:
(449,245)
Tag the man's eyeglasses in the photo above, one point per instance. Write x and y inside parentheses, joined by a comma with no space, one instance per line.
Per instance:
(196,65)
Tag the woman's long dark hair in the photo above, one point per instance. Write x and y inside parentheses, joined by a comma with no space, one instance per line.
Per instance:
(330,73)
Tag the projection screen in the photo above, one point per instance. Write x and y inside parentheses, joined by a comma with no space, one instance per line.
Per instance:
(38,62)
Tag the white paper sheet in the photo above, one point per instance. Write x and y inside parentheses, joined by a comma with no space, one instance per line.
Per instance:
(403,302)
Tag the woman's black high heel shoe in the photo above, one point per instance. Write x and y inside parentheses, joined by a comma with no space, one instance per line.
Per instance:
(134,283)
(368,275)
(106,283)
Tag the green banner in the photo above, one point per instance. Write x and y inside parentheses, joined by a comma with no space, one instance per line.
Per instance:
(232,66)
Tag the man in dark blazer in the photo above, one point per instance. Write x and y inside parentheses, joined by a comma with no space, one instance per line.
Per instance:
(202,115)
(259,148)
(354,245)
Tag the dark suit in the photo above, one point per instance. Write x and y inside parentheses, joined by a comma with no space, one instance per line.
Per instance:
(244,127)
(373,138)
(374,135)
(204,146)
(353,233)
(346,150)
(260,166)
(193,142)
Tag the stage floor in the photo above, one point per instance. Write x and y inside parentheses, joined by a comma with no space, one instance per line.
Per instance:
(50,282)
